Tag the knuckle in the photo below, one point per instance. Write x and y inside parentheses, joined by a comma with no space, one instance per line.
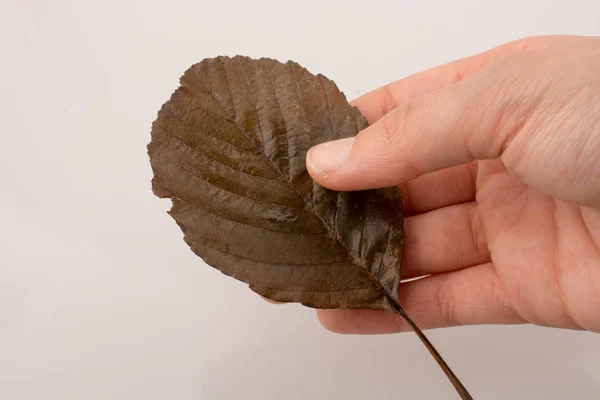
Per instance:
(395,126)
(388,136)
(499,301)
(477,231)
(407,203)
(388,130)
(446,306)
(388,102)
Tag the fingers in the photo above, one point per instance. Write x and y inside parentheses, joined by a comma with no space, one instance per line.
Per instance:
(458,124)
(473,119)
(444,240)
(467,297)
(439,189)
(434,190)
(424,136)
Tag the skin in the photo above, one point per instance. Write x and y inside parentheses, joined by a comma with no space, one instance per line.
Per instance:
(498,160)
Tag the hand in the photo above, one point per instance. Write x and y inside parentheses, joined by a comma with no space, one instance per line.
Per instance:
(498,160)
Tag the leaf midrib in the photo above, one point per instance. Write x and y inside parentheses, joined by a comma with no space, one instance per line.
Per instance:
(331,233)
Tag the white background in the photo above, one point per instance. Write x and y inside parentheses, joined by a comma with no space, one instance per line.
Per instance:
(100,298)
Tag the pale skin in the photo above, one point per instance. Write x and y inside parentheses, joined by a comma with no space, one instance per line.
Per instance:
(498,160)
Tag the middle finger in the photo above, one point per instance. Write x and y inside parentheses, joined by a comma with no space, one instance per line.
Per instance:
(443,240)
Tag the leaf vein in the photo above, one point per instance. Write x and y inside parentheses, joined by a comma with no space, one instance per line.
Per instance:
(232,144)
(282,114)
(200,176)
(285,265)
(329,107)
(231,219)
(206,155)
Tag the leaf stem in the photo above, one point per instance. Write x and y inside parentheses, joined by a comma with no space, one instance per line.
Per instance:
(460,388)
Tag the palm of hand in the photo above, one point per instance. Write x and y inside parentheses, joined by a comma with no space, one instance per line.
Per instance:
(546,252)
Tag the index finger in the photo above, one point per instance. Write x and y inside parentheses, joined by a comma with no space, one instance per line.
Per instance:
(379,102)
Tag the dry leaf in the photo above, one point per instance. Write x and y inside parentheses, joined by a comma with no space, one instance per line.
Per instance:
(229,150)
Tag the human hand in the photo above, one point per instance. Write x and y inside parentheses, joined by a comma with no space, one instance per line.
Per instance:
(498,160)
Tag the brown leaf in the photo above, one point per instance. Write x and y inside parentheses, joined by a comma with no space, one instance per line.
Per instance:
(229,149)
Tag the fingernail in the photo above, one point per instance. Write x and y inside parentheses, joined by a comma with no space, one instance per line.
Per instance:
(326,158)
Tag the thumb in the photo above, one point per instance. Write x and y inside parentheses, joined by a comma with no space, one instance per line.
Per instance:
(475,118)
